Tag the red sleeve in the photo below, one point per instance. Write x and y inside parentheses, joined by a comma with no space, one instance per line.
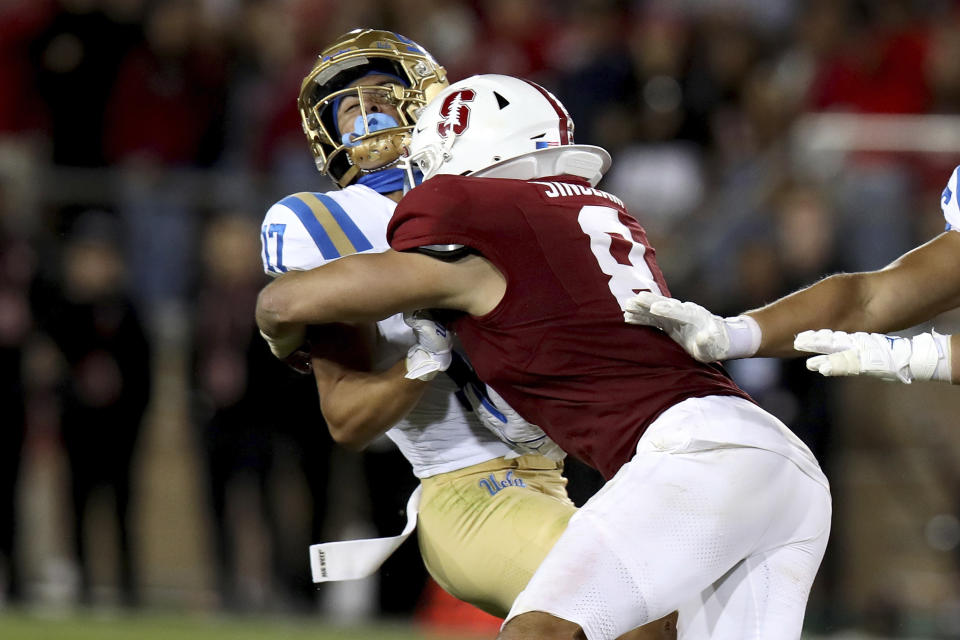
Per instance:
(433,213)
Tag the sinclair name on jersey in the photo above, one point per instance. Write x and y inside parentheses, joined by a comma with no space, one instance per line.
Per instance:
(568,189)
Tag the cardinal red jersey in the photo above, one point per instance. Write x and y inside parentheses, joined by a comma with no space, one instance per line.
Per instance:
(556,347)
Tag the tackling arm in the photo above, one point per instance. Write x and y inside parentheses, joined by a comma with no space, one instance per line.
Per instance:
(369,287)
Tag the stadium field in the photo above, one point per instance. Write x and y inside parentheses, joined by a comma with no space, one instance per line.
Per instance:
(18,626)
(102,626)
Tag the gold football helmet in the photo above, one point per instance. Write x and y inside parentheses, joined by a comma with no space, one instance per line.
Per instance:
(352,56)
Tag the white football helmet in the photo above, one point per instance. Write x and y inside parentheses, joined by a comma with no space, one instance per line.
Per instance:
(499,126)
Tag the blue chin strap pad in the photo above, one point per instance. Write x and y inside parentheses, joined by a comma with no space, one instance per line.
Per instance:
(389,180)
(375,122)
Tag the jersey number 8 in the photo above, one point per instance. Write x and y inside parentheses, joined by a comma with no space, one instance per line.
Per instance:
(619,254)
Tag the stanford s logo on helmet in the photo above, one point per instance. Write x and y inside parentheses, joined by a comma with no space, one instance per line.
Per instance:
(501,127)
(454,114)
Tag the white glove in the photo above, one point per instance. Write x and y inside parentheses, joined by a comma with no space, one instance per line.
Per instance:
(923,357)
(703,335)
(432,353)
(500,418)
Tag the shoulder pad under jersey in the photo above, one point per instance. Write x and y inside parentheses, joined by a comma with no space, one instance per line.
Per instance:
(445,252)
(307,230)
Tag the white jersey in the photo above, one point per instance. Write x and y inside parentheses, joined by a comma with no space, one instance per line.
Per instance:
(307,230)
(948,203)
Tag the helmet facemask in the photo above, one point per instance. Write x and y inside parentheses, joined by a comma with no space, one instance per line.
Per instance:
(377,138)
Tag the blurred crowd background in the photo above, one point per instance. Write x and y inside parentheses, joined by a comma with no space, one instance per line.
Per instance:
(154,454)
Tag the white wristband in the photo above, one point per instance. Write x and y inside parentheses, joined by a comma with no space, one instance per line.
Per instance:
(930,357)
(744,334)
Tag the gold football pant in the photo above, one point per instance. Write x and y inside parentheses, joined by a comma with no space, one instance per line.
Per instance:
(484,530)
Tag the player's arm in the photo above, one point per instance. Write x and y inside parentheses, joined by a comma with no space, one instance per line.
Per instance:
(369,287)
(912,289)
(358,404)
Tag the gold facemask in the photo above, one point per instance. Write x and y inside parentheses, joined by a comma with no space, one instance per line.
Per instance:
(353,56)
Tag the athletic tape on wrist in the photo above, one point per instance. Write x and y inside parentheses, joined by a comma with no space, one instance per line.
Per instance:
(930,357)
(744,334)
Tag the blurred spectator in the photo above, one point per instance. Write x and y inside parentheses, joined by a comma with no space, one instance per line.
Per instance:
(76,58)
(233,439)
(160,230)
(451,28)
(20,23)
(17,272)
(878,68)
(592,71)
(262,72)
(317,22)
(164,107)
(245,403)
(266,80)
(106,389)
(659,49)
(303,448)
(164,116)
(943,62)
(750,157)
(873,198)
(723,51)
(516,38)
